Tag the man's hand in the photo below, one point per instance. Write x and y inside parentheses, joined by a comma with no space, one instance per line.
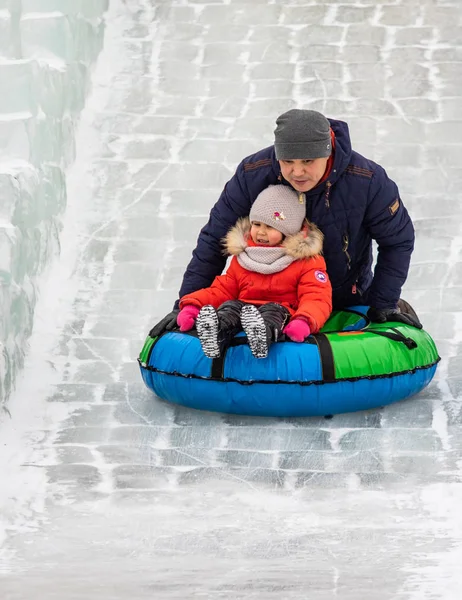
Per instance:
(166,324)
(384,315)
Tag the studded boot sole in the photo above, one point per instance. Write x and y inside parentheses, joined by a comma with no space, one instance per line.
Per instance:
(255,329)
(207,330)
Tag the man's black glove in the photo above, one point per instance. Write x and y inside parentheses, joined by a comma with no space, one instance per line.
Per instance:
(166,324)
(383,315)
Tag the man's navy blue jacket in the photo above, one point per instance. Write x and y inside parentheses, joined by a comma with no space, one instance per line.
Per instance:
(358,203)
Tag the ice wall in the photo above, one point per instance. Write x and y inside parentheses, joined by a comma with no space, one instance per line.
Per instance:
(47,48)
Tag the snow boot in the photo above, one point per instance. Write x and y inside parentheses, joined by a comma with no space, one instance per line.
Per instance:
(207,327)
(276,318)
(255,328)
(229,316)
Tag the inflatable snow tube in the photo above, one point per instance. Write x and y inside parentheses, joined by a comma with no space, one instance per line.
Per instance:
(350,365)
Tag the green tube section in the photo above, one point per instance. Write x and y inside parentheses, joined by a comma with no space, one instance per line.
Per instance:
(363,353)
(144,354)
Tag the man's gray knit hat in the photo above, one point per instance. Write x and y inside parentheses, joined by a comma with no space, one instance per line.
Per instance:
(302,134)
(281,207)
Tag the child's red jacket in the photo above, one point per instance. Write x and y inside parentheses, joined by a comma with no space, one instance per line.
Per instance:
(303,287)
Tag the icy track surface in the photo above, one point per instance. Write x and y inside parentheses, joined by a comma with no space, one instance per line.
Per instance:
(109,494)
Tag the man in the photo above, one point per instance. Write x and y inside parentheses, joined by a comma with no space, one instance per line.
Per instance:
(350,199)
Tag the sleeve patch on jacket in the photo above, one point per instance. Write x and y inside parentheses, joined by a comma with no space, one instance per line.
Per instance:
(394,207)
(321,276)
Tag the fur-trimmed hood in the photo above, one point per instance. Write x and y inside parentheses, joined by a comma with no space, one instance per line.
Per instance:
(305,244)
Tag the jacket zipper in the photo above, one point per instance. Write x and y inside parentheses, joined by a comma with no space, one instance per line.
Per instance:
(326,200)
(355,289)
(346,242)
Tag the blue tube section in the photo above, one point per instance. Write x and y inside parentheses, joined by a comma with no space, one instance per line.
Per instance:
(287,400)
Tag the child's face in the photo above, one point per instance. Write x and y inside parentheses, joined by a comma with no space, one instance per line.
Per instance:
(264,234)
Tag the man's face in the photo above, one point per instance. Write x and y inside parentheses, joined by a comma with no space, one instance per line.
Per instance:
(303,175)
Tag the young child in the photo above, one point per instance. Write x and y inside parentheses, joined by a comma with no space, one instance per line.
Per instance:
(276,280)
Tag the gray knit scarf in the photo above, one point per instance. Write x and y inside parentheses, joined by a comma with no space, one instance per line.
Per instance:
(266,260)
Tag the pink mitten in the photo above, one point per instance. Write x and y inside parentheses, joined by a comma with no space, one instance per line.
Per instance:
(297,330)
(187,317)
